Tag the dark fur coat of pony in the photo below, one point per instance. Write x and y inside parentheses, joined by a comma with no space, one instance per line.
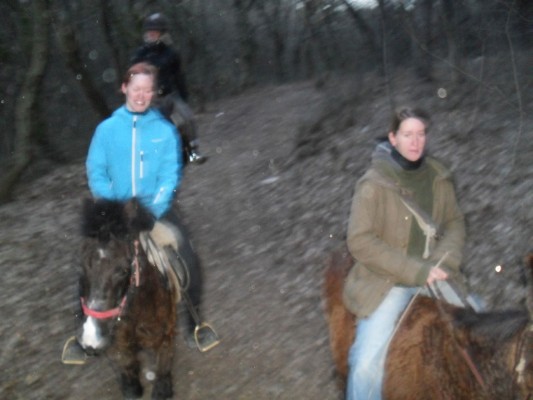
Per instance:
(128,306)
(440,352)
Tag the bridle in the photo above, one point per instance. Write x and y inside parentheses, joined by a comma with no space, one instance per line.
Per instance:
(112,313)
(437,295)
(117,311)
(519,366)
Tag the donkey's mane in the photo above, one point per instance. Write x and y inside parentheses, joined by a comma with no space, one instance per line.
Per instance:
(495,325)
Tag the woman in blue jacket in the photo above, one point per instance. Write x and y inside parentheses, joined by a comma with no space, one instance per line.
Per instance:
(136,153)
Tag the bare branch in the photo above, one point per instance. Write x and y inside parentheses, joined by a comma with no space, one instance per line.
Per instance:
(518,133)
(26,102)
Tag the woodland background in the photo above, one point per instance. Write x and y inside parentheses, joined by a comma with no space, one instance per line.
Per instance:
(290,97)
(62,60)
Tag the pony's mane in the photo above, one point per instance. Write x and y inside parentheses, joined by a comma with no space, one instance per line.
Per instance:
(496,325)
(103,218)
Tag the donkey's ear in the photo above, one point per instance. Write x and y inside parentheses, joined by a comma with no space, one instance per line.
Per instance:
(529,274)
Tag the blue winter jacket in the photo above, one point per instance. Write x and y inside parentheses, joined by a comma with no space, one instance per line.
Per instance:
(135,155)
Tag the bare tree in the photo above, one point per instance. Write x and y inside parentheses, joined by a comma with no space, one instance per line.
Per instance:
(309,47)
(272,13)
(110,21)
(26,103)
(419,23)
(368,34)
(386,72)
(248,45)
(70,47)
(451,28)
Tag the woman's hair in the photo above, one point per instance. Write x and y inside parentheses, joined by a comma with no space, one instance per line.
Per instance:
(404,113)
(139,68)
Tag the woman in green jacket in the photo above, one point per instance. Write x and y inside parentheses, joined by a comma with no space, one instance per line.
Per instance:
(405,231)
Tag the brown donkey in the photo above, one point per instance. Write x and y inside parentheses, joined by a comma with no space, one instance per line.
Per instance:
(440,351)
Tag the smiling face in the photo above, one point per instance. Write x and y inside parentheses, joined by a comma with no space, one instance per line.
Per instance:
(151,36)
(410,139)
(139,92)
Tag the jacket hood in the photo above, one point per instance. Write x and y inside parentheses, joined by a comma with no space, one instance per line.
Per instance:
(383,161)
(386,167)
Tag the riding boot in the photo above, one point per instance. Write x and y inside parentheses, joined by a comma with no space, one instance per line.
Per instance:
(194,155)
(189,325)
(197,333)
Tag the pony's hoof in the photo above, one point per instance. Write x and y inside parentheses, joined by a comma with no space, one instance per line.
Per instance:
(131,388)
(162,389)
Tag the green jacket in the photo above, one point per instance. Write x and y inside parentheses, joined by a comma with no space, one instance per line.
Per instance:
(379,231)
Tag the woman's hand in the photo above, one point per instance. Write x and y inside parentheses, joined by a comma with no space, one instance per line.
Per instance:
(436,274)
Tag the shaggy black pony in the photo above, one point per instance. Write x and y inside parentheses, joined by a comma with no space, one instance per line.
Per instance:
(128,305)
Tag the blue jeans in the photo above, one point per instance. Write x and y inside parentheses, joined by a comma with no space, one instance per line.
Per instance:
(367,355)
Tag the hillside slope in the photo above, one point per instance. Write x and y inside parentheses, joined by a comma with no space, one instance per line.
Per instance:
(265,211)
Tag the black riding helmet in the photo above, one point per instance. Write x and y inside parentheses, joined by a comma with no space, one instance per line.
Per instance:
(155,22)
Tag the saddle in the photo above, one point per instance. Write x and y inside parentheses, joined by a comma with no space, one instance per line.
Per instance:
(162,247)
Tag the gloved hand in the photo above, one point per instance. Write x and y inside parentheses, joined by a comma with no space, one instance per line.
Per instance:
(436,274)
(140,221)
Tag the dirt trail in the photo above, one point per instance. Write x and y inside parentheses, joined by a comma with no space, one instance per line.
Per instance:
(263,228)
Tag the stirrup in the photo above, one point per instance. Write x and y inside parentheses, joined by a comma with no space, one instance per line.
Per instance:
(205,337)
(73,353)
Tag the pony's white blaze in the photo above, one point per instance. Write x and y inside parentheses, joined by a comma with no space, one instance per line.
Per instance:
(101,253)
(91,337)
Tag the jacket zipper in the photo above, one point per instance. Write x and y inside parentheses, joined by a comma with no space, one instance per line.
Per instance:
(133,151)
(141,174)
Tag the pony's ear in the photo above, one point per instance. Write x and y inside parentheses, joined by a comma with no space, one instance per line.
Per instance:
(140,218)
(102,217)
(88,227)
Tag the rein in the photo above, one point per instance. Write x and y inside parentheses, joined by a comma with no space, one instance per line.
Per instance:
(520,360)
(117,311)
(464,353)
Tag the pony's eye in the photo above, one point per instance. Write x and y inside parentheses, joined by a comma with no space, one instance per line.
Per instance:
(122,272)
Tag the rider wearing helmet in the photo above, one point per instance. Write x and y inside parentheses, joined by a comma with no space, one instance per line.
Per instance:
(171,86)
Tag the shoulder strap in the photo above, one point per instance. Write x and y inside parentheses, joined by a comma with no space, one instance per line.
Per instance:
(424,221)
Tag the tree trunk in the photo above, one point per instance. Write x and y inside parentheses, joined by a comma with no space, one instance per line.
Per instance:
(108,21)
(71,50)
(452,27)
(248,46)
(274,24)
(386,73)
(366,30)
(26,102)
(421,38)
